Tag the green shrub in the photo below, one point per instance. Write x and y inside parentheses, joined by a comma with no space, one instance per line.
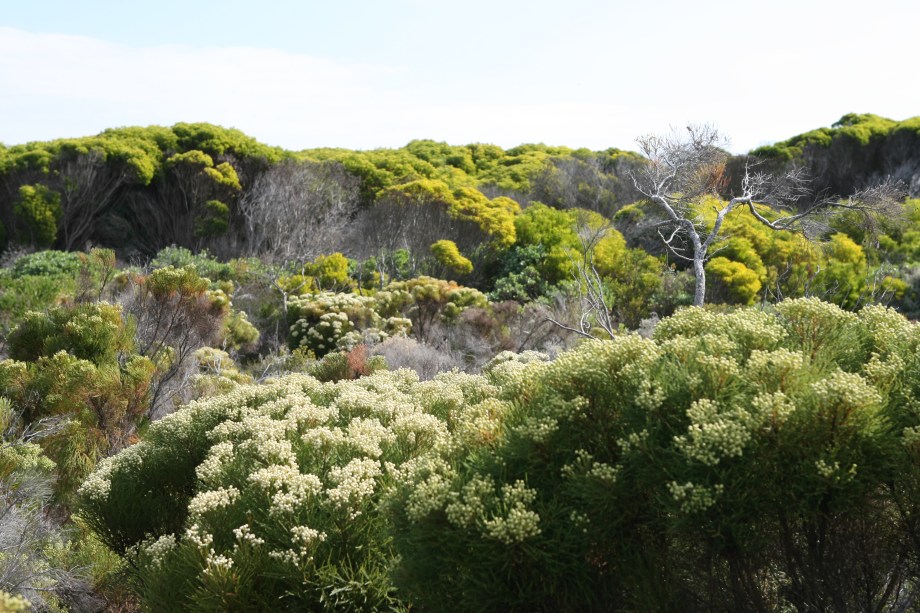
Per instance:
(20,295)
(47,264)
(749,461)
(94,332)
(203,263)
(39,209)
(752,460)
(76,364)
(267,498)
(447,255)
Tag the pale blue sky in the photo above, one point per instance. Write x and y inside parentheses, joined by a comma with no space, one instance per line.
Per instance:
(583,73)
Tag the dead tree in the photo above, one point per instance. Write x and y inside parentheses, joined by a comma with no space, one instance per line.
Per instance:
(298,210)
(683,168)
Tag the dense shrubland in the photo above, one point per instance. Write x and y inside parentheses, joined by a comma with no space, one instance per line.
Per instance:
(758,460)
(322,380)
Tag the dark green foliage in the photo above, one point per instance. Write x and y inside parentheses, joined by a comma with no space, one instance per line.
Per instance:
(39,210)
(214,220)
(520,277)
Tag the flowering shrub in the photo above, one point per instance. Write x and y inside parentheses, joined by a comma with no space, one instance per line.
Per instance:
(744,461)
(321,320)
(77,365)
(748,461)
(328,321)
(266,498)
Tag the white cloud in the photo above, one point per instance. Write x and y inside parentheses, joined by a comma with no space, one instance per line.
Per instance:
(56,85)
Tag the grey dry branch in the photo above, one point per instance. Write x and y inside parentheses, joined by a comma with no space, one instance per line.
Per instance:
(595,310)
(684,168)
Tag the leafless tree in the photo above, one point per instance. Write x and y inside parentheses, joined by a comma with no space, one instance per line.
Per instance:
(684,168)
(170,327)
(298,210)
(595,312)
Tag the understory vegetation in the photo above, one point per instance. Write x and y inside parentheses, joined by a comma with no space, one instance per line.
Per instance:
(454,378)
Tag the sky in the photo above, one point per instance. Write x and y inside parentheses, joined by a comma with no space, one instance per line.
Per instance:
(378,73)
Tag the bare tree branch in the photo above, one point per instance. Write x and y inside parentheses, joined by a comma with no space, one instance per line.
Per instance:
(685,167)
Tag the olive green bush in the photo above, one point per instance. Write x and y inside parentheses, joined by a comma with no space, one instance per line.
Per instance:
(77,365)
(748,461)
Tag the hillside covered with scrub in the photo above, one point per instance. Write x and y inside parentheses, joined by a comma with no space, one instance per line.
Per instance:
(460,378)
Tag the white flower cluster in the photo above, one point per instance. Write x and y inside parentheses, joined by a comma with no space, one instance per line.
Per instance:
(323,439)
(604,472)
(694,498)
(911,439)
(734,334)
(507,366)
(304,540)
(353,483)
(832,471)
(211,500)
(367,435)
(716,371)
(714,433)
(304,414)
(889,329)
(160,548)
(200,539)
(427,496)
(538,429)
(217,564)
(290,488)
(479,424)
(469,505)
(812,319)
(324,319)
(771,409)
(633,441)
(580,520)
(519,523)
(585,465)
(245,535)
(413,429)
(270,450)
(883,372)
(307,536)
(97,486)
(845,391)
(774,370)
(359,401)
(211,469)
